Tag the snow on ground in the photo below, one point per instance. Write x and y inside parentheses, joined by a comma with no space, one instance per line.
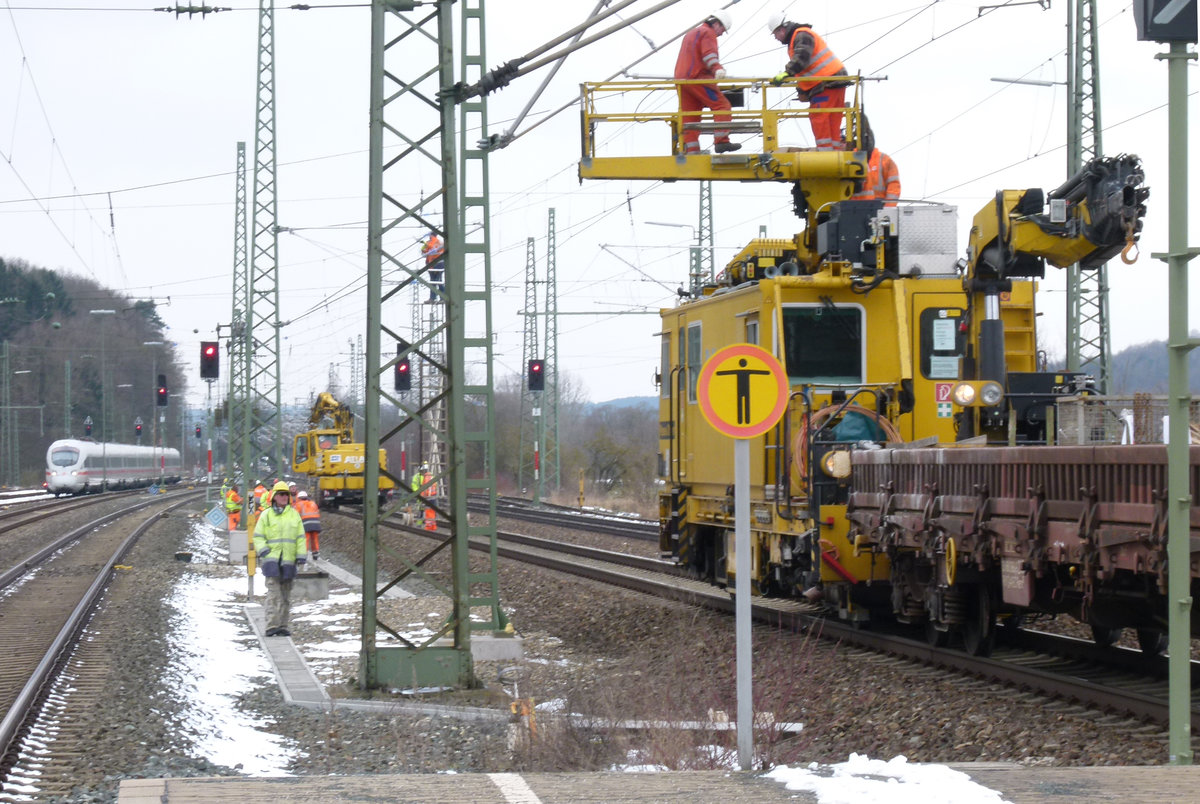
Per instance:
(219,730)
(217,660)
(862,780)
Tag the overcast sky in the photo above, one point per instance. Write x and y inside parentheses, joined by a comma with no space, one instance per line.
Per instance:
(140,110)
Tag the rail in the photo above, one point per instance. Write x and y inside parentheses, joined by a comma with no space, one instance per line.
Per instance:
(27,671)
(1111,679)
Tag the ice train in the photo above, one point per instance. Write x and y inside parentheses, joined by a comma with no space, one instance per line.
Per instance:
(80,466)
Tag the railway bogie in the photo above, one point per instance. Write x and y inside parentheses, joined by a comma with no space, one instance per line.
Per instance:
(76,466)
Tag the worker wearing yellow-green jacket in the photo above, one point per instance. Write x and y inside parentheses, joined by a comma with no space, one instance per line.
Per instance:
(280,545)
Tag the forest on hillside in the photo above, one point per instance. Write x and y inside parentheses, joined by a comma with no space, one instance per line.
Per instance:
(72,350)
(1143,368)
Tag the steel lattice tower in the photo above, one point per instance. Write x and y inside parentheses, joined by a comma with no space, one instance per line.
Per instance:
(413,114)
(1089,342)
(265,397)
(9,466)
(530,412)
(476,446)
(551,460)
(435,446)
(704,236)
(357,370)
(417,370)
(239,334)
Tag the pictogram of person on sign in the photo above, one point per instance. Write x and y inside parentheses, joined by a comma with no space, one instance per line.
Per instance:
(743,388)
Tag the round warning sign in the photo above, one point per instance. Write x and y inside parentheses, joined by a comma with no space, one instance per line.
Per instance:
(743,390)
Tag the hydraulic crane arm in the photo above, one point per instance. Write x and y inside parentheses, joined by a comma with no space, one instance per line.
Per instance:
(329,414)
(1091,217)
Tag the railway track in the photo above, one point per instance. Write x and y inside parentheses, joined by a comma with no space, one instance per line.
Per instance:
(23,528)
(48,597)
(1113,680)
(560,516)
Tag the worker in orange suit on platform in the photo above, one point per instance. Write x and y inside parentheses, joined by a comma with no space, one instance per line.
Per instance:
(817,68)
(698,58)
(882,182)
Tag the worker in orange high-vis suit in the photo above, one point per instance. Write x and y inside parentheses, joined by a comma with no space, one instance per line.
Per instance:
(698,59)
(882,182)
(310,515)
(429,493)
(811,61)
(434,252)
(253,508)
(233,507)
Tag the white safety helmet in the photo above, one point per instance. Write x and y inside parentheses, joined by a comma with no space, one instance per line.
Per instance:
(775,21)
(722,17)
(302,495)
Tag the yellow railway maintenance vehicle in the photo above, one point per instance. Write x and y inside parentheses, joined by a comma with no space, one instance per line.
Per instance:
(889,338)
(329,453)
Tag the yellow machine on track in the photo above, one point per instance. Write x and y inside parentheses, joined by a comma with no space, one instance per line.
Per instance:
(889,338)
(329,453)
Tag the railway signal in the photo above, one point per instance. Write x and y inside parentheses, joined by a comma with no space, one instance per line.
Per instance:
(87,426)
(536,376)
(1165,20)
(137,429)
(197,432)
(160,392)
(210,360)
(403,375)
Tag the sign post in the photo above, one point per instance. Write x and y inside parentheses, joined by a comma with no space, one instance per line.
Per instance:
(743,392)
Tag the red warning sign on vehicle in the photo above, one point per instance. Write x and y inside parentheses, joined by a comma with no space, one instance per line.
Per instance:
(742,390)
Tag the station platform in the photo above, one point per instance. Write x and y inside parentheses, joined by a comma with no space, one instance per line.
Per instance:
(476,788)
(1013,783)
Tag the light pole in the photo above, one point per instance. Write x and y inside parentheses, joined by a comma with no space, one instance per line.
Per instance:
(695,280)
(10,466)
(121,423)
(154,384)
(105,429)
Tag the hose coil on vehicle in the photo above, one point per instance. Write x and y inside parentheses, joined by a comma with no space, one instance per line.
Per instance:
(818,419)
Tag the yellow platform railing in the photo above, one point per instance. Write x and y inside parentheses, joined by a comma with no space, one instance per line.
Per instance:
(643,129)
(764,110)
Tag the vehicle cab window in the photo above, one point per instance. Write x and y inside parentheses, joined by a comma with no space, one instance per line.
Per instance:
(64,457)
(824,344)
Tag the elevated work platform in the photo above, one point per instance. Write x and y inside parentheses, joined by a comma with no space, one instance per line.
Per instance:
(656,151)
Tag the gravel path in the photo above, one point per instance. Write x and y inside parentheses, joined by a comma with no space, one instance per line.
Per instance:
(610,653)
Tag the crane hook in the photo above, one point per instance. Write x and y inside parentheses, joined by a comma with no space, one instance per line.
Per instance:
(1130,246)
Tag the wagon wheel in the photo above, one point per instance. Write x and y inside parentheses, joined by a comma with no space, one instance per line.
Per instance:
(1105,637)
(1152,641)
(979,630)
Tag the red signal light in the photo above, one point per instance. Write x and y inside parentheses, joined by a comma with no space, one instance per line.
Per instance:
(210,360)
(535,378)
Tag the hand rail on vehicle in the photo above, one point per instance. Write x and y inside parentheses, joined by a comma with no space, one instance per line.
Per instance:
(626,103)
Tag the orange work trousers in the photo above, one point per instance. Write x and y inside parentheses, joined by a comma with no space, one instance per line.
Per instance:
(235,519)
(695,98)
(827,126)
